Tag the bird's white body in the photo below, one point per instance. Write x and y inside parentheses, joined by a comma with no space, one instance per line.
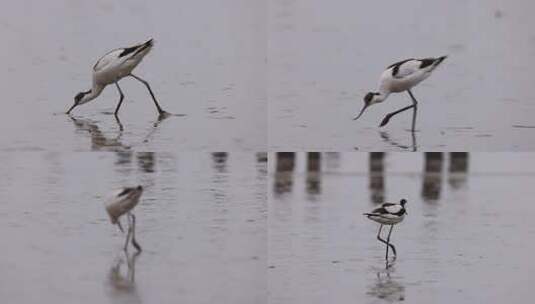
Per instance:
(404,75)
(122,201)
(388,214)
(112,66)
(408,76)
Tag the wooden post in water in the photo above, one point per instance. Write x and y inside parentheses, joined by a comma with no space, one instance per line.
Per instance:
(377,180)
(284,170)
(432,182)
(458,169)
(313,172)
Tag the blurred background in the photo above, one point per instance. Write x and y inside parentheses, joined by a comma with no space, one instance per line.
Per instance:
(465,238)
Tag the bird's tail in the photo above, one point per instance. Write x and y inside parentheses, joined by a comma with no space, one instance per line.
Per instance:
(439,60)
(144,48)
(150,42)
(367,214)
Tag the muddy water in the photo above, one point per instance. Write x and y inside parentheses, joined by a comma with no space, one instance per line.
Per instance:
(201,223)
(325,56)
(465,239)
(208,63)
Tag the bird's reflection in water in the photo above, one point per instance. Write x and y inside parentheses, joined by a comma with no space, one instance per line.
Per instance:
(220,161)
(99,140)
(156,124)
(386,138)
(102,141)
(122,283)
(387,287)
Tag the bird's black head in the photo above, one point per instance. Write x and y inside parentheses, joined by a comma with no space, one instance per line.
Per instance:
(402,202)
(78,99)
(139,188)
(368,100)
(369,97)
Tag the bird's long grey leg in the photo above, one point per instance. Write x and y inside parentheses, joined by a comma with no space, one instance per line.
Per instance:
(120,226)
(128,234)
(151,93)
(389,115)
(120,99)
(134,242)
(382,240)
(414,110)
(388,242)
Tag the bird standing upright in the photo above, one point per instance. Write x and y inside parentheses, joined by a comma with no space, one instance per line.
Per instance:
(121,202)
(398,77)
(111,68)
(388,214)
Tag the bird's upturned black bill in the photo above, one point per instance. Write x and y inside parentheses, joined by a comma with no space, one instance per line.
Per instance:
(361,112)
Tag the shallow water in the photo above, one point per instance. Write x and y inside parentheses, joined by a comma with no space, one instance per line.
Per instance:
(465,238)
(208,63)
(324,57)
(201,222)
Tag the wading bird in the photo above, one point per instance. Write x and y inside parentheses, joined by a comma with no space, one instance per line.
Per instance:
(111,68)
(388,214)
(121,202)
(401,76)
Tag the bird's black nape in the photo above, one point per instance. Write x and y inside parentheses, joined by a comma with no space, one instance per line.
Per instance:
(80,95)
(77,100)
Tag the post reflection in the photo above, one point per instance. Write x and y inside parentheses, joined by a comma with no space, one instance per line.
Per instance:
(458,169)
(261,163)
(313,177)
(432,178)
(220,161)
(332,160)
(284,170)
(377,179)
(101,141)
(122,284)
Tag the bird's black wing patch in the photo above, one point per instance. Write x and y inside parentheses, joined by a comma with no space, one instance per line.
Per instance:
(380,210)
(136,48)
(143,47)
(125,191)
(426,62)
(129,50)
(397,65)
